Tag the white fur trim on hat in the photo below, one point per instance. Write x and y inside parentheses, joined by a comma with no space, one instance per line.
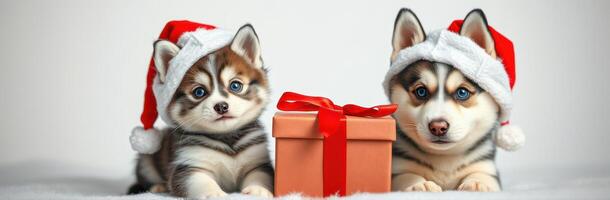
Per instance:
(193,46)
(146,141)
(462,53)
(510,137)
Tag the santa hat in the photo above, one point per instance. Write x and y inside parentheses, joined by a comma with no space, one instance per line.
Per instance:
(195,41)
(497,77)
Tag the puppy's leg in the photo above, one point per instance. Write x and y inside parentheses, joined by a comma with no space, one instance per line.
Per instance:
(480,182)
(158,188)
(196,183)
(147,175)
(259,182)
(414,183)
(202,185)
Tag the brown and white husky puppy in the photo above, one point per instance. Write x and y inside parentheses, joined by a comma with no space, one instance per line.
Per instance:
(218,146)
(445,121)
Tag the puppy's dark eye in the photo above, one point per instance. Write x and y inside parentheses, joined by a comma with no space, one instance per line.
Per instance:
(199,92)
(421,93)
(236,86)
(462,94)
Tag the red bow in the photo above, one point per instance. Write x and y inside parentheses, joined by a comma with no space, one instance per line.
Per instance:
(332,125)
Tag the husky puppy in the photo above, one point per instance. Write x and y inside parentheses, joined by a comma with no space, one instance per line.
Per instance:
(445,122)
(218,145)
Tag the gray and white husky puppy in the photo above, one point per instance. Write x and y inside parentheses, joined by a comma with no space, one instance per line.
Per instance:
(219,146)
(445,121)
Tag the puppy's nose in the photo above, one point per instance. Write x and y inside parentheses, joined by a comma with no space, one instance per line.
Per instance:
(438,127)
(221,108)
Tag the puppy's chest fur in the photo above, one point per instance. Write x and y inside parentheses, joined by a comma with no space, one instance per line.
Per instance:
(445,170)
(228,156)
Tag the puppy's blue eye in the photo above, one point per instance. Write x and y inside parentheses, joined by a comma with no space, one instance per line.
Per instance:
(421,92)
(462,94)
(199,92)
(236,86)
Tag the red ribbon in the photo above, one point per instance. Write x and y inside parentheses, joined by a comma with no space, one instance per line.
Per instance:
(332,125)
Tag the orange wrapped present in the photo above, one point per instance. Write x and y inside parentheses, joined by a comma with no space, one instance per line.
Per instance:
(338,150)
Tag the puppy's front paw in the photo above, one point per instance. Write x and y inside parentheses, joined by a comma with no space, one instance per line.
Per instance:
(426,186)
(213,194)
(475,186)
(257,191)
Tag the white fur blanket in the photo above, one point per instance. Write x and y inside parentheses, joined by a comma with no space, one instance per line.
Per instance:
(54,181)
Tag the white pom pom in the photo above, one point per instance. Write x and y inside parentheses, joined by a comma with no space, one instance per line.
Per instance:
(145,141)
(510,138)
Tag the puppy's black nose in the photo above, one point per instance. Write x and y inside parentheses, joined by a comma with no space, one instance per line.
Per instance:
(221,108)
(438,127)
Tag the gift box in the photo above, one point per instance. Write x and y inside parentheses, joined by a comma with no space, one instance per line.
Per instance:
(338,150)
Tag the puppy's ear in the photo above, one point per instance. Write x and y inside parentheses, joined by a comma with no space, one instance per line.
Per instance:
(407,31)
(245,43)
(475,28)
(164,52)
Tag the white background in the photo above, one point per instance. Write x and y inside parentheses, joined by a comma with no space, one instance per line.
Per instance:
(72,73)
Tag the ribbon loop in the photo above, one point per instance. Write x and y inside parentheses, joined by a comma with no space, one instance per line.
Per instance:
(291,101)
(375,111)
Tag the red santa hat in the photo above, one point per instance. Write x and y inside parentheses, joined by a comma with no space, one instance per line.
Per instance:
(496,76)
(195,41)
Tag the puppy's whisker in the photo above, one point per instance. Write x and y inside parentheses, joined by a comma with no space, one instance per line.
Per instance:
(191,122)
(180,125)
